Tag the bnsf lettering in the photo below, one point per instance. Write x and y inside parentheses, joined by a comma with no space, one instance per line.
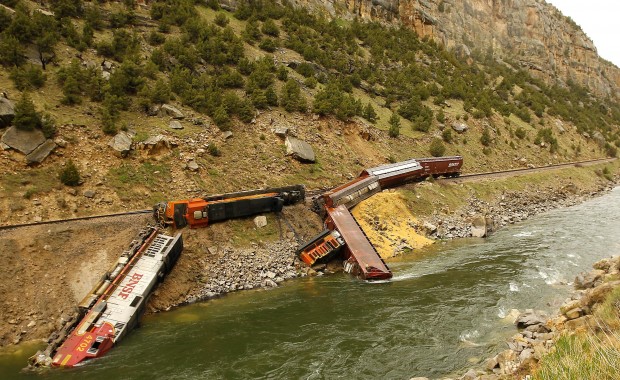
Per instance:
(85,343)
(130,286)
(451,164)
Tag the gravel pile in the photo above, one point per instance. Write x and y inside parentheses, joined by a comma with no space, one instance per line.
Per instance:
(243,269)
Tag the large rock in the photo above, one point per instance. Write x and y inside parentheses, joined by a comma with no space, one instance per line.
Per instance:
(589,280)
(599,138)
(171,111)
(121,143)
(155,145)
(300,150)
(260,221)
(598,294)
(479,227)
(460,127)
(23,141)
(175,124)
(7,112)
(530,318)
(41,152)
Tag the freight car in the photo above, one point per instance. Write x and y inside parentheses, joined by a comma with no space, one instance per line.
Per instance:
(373,180)
(361,258)
(199,212)
(396,174)
(115,304)
(441,166)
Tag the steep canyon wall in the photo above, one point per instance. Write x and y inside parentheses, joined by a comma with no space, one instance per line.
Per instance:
(531,32)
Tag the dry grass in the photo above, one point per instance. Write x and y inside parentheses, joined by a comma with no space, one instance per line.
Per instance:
(594,354)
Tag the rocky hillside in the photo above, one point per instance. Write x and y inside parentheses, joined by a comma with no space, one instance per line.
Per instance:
(108,105)
(531,32)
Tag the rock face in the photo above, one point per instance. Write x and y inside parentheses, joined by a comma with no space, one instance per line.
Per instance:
(531,32)
(299,149)
(7,112)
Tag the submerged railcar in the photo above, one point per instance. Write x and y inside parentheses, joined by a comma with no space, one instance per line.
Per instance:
(114,306)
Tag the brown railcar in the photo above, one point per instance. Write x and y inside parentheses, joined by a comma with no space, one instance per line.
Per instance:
(441,166)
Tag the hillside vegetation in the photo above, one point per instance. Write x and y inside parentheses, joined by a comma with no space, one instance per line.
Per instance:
(107,65)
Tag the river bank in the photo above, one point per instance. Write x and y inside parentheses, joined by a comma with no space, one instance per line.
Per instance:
(448,299)
(215,262)
(581,341)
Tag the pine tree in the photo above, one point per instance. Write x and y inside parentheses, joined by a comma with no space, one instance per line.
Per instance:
(70,175)
(369,113)
(394,125)
(26,116)
(437,149)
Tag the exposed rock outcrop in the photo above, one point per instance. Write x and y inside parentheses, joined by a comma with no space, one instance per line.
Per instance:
(531,32)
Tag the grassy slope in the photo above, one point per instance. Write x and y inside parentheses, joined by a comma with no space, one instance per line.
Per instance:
(254,157)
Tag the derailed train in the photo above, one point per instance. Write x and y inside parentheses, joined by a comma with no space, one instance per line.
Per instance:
(373,180)
(342,232)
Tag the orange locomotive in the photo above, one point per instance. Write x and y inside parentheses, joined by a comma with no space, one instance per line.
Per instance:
(199,212)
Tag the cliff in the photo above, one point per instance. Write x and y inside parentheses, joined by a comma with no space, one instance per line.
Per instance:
(531,32)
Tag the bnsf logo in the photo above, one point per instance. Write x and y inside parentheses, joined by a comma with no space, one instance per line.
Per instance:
(451,164)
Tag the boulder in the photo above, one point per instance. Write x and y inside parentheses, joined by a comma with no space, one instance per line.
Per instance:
(530,318)
(460,127)
(478,227)
(121,143)
(589,280)
(574,313)
(175,124)
(281,131)
(171,111)
(193,166)
(153,110)
(23,141)
(227,135)
(298,149)
(155,145)
(7,112)
(90,194)
(599,138)
(41,152)
(598,294)
(260,221)
(430,228)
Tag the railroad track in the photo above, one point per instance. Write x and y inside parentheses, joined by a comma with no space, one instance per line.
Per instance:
(312,193)
(138,212)
(511,172)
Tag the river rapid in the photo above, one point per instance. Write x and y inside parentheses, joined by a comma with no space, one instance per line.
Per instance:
(443,312)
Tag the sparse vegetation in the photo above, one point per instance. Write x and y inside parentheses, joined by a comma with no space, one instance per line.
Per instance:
(437,148)
(69,175)
(394,125)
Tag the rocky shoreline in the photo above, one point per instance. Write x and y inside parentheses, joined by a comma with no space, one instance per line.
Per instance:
(480,218)
(266,265)
(538,332)
(270,264)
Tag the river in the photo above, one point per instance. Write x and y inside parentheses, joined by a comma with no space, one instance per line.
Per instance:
(443,312)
